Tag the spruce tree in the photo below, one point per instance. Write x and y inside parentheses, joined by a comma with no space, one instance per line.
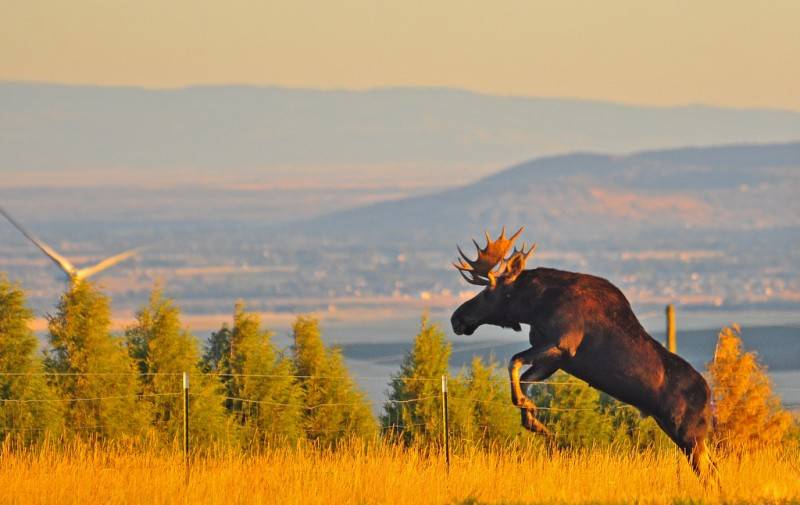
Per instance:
(571,410)
(414,411)
(747,413)
(92,370)
(162,349)
(629,428)
(28,407)
(461,419)
(494,419)
(334,407)
(262,395)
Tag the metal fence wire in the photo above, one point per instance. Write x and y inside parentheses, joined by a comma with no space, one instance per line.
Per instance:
(394,427)
(309,407)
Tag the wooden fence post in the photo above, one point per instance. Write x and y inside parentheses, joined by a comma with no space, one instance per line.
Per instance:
(445,423)
(186,425)
(672,339)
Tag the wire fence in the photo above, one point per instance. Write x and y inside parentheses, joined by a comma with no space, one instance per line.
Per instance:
(359,378)
(97,398)
(392,425)
(387,379)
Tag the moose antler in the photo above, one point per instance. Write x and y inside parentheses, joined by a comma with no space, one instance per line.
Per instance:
(482,270)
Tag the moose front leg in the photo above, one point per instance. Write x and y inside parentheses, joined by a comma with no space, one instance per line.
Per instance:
(543,361)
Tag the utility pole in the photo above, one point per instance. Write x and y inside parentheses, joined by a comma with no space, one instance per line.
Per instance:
(672,339)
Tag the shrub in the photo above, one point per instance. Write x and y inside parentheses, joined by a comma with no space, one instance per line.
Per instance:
(747,412)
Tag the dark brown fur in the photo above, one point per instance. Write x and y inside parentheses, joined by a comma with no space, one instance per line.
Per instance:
(584,325)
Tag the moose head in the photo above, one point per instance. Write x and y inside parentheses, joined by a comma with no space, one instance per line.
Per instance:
(498,274)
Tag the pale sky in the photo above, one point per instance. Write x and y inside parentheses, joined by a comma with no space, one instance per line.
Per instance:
(721,52)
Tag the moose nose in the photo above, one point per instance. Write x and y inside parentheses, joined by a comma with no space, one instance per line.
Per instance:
(458,327)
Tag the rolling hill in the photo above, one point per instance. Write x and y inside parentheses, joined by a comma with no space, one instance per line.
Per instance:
(572,199)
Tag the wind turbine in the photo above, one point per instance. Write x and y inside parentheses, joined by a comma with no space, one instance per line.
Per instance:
(75,275)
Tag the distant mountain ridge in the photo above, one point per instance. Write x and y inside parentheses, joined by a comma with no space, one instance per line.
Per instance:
(241,128)
(591,196)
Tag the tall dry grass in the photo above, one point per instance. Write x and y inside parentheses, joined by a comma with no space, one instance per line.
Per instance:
(363,474)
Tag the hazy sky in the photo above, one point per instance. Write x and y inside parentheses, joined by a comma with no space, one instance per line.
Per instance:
(725,52)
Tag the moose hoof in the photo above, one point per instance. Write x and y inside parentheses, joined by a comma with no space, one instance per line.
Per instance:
(530,423)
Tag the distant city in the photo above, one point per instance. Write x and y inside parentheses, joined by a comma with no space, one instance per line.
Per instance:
(282,278)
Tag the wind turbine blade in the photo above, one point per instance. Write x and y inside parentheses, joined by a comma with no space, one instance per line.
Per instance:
(59,260)
(83,273)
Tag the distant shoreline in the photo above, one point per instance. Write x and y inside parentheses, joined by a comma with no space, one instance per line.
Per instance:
(394,320)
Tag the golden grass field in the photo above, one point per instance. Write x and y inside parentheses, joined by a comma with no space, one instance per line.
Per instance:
(365,474)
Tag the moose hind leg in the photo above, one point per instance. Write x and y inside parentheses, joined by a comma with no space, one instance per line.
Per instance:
(690,437)
(543,363)
(694,430)
(703,466)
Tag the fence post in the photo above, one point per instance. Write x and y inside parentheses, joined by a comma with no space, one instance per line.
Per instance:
(672,340)
(186,425)
(445,423)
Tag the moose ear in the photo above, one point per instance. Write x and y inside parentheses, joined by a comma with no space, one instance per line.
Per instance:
(515,267)
(516,264)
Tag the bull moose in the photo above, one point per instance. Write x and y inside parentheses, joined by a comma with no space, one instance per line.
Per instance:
(583,325)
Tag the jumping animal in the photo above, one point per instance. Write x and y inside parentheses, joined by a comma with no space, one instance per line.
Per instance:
(74,275)
(584,325)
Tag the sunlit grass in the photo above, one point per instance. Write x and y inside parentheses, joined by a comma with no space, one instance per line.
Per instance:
(380,473)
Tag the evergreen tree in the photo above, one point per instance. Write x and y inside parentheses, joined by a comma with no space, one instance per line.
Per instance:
(571,410)
(28,407)
(162,350)
(414,412)
(494,419)
(92,367)
(334,406)
(629,428)
(217,353)
(748,413)
(263,397)
(464,425)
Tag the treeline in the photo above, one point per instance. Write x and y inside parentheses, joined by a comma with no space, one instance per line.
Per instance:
(245,391)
